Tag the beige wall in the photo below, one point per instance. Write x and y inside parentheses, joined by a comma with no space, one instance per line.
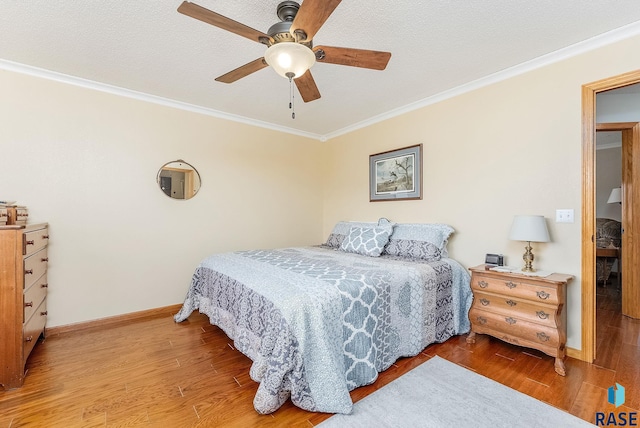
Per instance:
(86,162)
(510,148)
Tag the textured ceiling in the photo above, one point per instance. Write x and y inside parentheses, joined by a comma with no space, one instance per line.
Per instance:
(150,48)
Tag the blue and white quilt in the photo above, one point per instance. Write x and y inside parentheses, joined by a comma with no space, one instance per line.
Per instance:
(318,323)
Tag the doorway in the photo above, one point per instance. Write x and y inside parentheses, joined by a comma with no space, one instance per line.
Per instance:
(630,194)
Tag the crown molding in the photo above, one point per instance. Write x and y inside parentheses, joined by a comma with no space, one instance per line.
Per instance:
(593,43)
(584,46)
(141,96)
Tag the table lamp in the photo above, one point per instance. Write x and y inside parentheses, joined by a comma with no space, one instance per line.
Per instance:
(616,196)
(529,228)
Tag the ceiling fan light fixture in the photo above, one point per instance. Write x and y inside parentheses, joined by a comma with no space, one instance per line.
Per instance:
(290,57)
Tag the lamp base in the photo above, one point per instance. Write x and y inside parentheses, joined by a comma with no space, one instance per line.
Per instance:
(528,259)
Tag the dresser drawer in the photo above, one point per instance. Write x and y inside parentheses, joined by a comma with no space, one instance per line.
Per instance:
(35,266)
(515,287)
(33,296)
(517,327)
(34,240)
(4,216)
(33,329)
(525,309)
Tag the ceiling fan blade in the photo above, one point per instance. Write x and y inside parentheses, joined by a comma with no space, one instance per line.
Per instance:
(205,15)
(307,87)
(311,15)
(243,71)
(375,60)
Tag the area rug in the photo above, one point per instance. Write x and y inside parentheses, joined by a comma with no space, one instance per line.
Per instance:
(438,393)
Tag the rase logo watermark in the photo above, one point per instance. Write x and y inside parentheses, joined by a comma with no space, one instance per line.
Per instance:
(615,396)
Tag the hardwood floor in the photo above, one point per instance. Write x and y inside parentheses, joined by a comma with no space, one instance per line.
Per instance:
(153,372)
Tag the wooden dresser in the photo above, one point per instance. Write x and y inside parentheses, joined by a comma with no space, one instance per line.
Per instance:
(521,309)
(23,292)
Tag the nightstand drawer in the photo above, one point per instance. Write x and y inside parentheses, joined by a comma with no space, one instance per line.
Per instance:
(516,288)
(531,332)
(525,309)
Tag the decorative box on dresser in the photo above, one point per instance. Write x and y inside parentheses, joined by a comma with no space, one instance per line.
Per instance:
(23,292)
(521,309)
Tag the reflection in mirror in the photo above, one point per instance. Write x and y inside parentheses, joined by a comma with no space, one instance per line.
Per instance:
(178,180)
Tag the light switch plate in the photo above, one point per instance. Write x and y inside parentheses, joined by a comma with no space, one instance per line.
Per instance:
(564,216)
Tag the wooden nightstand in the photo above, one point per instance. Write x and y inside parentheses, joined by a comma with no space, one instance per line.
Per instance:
(521,309)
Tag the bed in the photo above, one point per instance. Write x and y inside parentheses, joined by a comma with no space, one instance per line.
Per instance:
(319,321)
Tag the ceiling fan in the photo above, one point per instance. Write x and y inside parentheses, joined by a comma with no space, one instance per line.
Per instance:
(290,43)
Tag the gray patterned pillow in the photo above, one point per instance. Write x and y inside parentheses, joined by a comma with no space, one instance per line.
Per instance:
(341,230)
(412,249)
(427,241)
(335,240)
(368,241)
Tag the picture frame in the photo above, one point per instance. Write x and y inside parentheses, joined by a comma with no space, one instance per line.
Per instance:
(396,174)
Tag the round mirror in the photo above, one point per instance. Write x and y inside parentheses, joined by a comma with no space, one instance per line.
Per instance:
(178,180)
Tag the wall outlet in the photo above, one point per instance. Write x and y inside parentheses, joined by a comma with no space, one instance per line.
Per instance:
(564,216)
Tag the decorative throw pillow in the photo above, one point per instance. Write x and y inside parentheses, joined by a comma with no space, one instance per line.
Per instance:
(341,230)
(426,241)
(412,249)
(368,241)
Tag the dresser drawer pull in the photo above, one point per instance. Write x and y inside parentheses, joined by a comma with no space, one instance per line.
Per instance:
(510,320)
(510,284)
(543,337)
(28,272)
(44,314)
(542,315)
(483,284)
(44,285)
(543,295)
(28,338)
(484,302)
(4,215)
(481,320)
(28,304)
(30,243)
(45,236)
(44,259)
(511,303)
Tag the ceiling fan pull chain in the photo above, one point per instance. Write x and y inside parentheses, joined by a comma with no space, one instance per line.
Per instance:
(292,106)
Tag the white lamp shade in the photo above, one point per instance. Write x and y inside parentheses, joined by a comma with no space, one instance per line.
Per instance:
(531,228)
(290,57)
(616,196)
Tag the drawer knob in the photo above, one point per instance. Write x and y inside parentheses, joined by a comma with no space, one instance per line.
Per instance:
(44,259)
(481,320)
(44,285)
(510,320)
(542,315)
(45,236)
(510,284)
(28,304)
(484,302)
(28,272)
(543,337)
(44,314)
(543,295)
(511,303)
(28,338)
(483,284)
(30,242)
